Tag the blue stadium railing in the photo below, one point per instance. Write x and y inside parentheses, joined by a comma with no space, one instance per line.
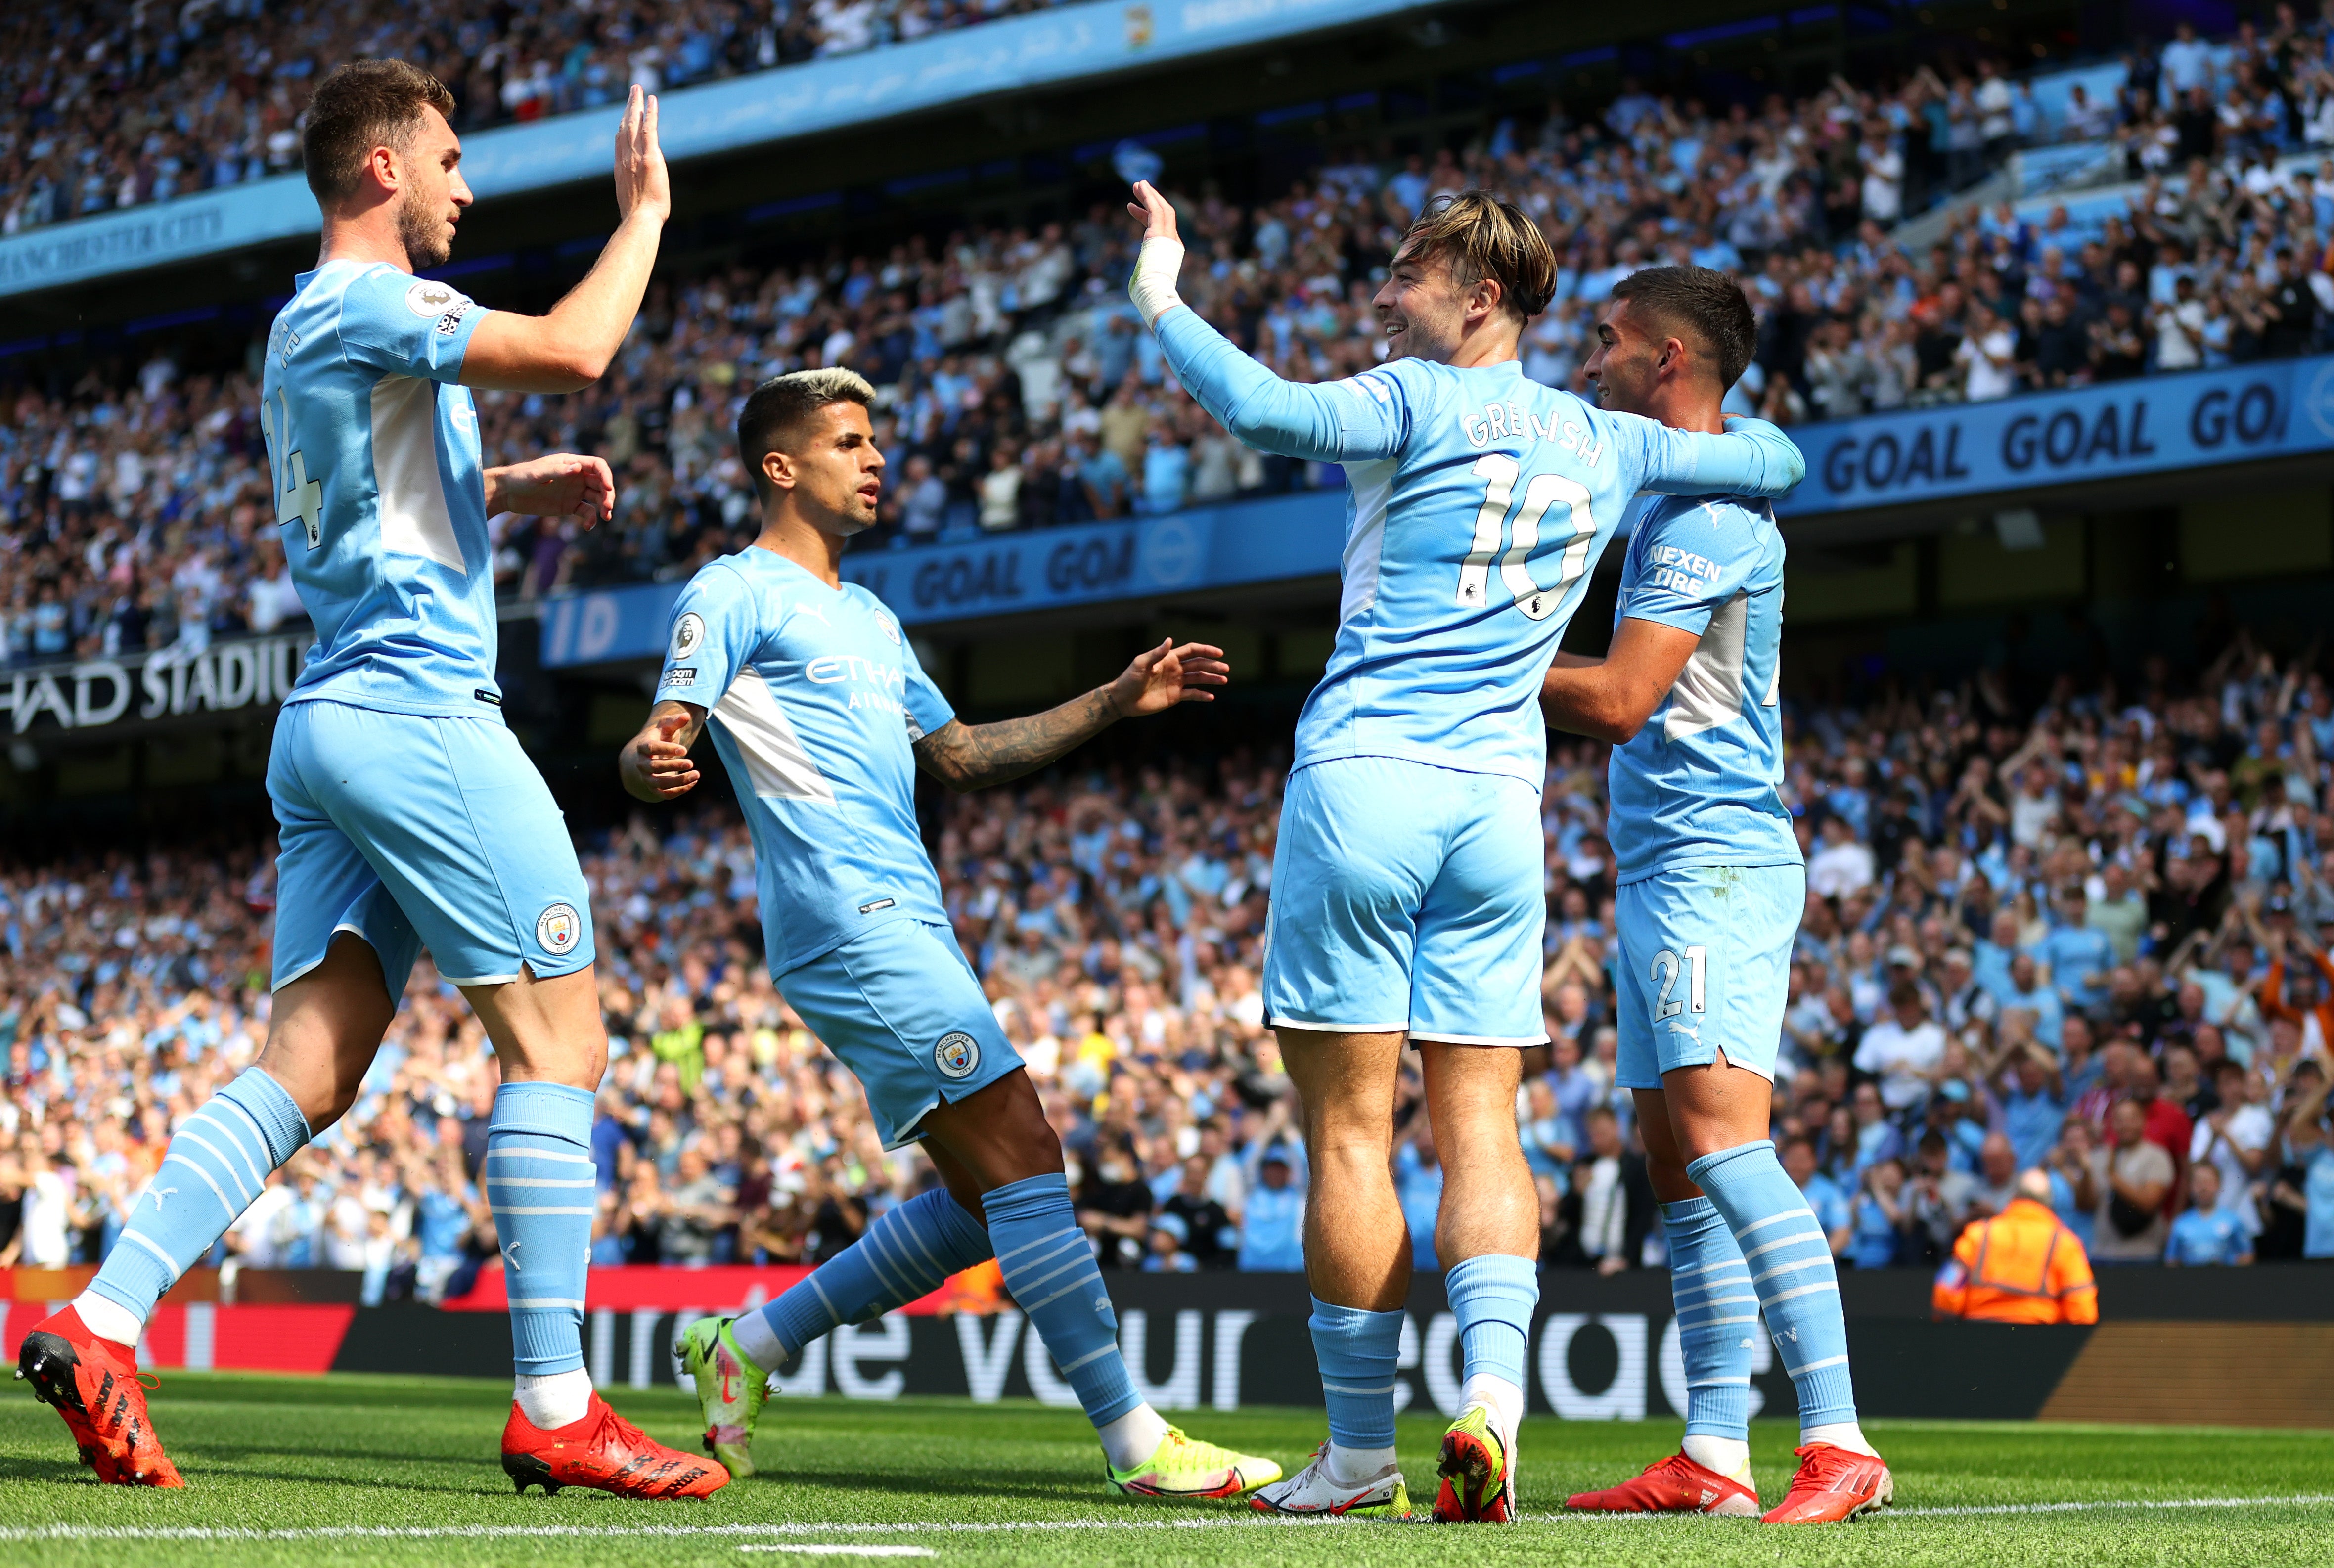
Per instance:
(2003,451)
(2006,449)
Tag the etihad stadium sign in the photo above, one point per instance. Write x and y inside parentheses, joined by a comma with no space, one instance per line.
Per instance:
(141,688)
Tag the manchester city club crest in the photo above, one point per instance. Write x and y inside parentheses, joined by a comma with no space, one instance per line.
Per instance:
(559,929)
(958,1055)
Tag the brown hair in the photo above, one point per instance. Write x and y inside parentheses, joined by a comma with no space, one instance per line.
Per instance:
(1479,236)
(363,105)
(1701,304)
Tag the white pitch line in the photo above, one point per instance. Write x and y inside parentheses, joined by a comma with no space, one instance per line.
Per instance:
(19,1534)
(1968,1510)
(229,1534)
(828,1549)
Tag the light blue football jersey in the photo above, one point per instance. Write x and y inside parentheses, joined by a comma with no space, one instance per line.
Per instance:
(1697,786)
(1478,500)
(815,701)
(378,490)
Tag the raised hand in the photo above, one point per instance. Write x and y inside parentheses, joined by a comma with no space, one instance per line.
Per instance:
(1152,284)
(1151,209)
(641,183)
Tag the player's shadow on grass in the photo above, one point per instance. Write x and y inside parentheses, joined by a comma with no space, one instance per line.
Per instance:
(359,1402)
(236,1459)
(64,1472)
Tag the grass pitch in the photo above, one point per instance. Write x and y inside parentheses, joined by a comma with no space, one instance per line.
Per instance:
(383,1471)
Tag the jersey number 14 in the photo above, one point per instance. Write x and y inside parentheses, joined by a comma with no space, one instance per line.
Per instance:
(1499,472)
(302,501)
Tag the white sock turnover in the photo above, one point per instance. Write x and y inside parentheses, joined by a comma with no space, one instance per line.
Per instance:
(1132,1437)
(1729,1456)
(752,1332)
(1846,1435)
(1506,1401)
(1357,1466)
(108,1319)
(554,1400)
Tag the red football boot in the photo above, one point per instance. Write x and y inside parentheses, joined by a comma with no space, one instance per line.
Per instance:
(1672,1486)
(1833,1483)
(605,1452)
(93,1384)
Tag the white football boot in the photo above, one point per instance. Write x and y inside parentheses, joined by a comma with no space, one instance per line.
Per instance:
(1313,1490)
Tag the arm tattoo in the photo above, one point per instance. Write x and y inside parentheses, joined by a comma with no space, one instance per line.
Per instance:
(971,756)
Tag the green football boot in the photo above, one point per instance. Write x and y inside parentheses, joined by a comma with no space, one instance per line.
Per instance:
(1185,1468)
(730,1390)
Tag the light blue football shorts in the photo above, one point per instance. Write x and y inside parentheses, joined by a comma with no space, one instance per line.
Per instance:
(898,1006)
(416,833)
(1407,897)
(1704,966)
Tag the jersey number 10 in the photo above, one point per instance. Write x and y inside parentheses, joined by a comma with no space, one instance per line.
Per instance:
(1498,471)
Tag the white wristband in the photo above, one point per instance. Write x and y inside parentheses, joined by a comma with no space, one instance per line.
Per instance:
(1152,287)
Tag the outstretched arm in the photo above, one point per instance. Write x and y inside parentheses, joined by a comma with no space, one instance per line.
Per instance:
(1338,422)
(569,348)
(1753,458)
(971,756)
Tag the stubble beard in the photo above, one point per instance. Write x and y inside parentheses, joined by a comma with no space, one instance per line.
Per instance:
(422,231)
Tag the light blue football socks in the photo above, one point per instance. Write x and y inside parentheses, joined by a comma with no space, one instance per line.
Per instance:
(907,1254)
(1717,1320)
(1357,1350)
(1049,1267)
(1716,1316)
(218,1162)
(540,1184)
(1492,1297)
(1790,1267)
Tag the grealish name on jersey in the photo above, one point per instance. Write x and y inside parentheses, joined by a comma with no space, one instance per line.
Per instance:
(1477,501)
(1468,552)
(1513,422)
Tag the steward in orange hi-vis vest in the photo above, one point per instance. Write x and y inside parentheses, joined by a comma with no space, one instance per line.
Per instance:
(2021,1267)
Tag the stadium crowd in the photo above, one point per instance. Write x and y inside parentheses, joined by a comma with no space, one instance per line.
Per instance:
(123,102)
(2069,928)
(1019,391)
(2074,927)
